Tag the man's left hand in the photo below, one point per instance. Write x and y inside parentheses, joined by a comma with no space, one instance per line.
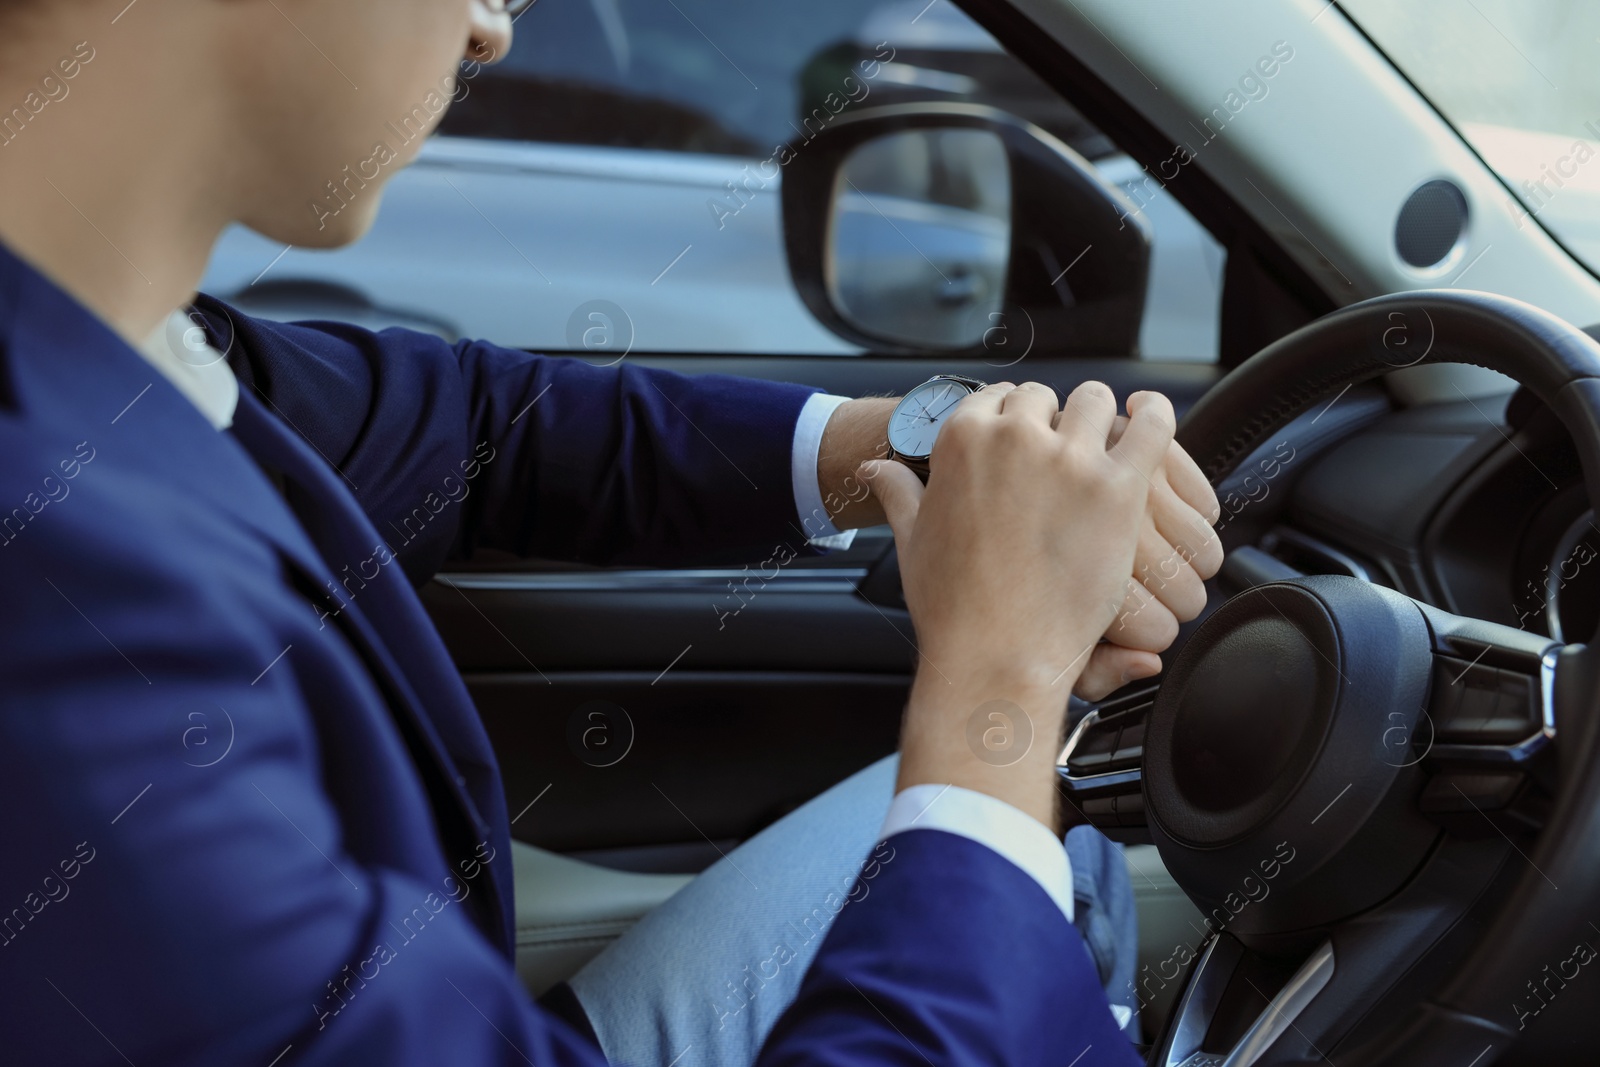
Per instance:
(1178,550)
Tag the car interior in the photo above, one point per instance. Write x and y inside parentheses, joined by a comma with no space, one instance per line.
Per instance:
(1359,807)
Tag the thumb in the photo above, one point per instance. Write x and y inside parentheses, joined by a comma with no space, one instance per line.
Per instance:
(898,489)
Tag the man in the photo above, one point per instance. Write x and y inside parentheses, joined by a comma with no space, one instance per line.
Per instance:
(190,534)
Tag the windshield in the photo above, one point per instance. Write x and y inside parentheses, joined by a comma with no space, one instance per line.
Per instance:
(1521,82)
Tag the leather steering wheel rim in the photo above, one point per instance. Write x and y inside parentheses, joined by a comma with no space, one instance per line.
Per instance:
(1561,365)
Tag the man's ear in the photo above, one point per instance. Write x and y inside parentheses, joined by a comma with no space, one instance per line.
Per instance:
(490,39)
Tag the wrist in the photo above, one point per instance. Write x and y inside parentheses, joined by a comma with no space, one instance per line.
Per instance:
(857,431)
(998,733)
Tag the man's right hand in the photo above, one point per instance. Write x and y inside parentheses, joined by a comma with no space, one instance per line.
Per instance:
(1015,559)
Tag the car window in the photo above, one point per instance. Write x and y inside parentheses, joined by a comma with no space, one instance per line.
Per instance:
(735,77)
(603,188)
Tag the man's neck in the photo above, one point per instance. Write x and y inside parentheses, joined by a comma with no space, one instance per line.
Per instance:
(101,187)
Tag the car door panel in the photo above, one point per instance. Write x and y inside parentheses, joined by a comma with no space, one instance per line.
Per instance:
(749,617)
(729,692)
(702,755)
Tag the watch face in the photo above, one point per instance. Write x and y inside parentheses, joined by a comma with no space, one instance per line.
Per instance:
(916,421)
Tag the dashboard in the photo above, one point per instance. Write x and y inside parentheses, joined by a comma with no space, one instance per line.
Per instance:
(1476,506)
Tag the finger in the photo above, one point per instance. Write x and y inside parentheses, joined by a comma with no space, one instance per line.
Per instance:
(1165,572)
(1182,473)
(1111,667)
(1187,480)
(1186,531)
(1149,434)
(1031,400)
(1118,424)
(1144,622)
(986,401)
(1088,414)
(898,489)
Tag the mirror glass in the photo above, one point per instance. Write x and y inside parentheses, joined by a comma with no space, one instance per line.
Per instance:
(920,236)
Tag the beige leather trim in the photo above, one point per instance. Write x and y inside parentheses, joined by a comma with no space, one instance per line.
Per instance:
(568,911)
(1171,930)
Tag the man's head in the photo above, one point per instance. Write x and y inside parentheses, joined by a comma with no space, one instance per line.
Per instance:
(305,108)
(337,95)
(133,132)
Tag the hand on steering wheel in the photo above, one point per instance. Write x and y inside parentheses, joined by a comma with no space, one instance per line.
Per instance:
(1178,551)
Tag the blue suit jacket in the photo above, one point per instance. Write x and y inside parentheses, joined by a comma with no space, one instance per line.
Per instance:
(247,807)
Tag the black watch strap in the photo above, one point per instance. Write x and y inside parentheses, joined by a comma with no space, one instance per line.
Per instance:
(918,465)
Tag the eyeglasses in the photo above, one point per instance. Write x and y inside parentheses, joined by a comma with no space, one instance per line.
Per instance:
(517,7)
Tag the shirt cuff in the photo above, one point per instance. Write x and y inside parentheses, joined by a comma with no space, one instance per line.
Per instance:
(1017,836)
(814,521)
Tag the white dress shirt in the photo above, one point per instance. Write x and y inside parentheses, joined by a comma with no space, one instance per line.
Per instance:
(179,350)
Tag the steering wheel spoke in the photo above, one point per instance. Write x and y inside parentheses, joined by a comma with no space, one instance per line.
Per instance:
(1224,962)
(1487,731)
(1493,691)
(1101,765)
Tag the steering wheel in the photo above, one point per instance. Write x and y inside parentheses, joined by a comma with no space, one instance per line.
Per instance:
(1349,783)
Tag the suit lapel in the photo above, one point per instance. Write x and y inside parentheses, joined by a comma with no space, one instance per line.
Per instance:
(71,374)
(68,372)
(342,532)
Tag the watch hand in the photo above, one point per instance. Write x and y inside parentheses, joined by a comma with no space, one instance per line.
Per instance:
(946,408)
(925,413)
(914,416)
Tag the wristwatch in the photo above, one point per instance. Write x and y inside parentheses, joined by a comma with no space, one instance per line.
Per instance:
(920,414)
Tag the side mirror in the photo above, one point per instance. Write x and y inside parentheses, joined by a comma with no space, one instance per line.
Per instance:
(961,229)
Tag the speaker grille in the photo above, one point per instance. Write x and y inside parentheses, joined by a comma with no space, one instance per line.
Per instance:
(1430,223)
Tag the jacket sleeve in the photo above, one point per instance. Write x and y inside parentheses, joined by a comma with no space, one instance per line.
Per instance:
(476,446)
(946,954)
